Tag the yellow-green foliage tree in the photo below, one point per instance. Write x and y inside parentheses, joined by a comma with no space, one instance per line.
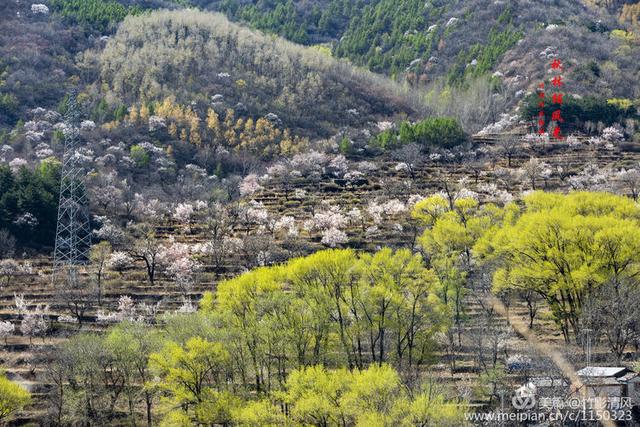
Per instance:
(13,398)
(563,247)
(453,226)
(369,397)
(334,306)
(319,340)
(194,376)
(356,312)
(400,298)
(130,345)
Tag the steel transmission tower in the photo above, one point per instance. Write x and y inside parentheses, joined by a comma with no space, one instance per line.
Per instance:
(73,233)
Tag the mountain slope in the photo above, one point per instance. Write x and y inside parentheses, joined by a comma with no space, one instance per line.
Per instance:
(194,56)
(36,60)
(426,41)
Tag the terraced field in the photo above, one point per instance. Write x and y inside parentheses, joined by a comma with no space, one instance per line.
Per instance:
(461,365)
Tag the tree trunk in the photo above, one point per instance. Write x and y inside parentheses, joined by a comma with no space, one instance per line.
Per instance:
(149,403)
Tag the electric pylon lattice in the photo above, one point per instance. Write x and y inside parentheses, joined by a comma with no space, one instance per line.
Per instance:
(73,232)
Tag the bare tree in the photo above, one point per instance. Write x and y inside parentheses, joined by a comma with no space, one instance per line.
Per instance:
(533,304)
(476,162)
(55,373)
(257,250)
(613,313)
(508,146)
(99,256)
(411,156)
(563,167)
(128,200)
(76,294)
(220,221)
(146,248)
(534,169)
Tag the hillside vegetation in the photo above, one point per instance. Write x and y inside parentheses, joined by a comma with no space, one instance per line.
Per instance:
(93,15)
(306,22)
(340,214)
(454,42)
(36,61)
(194,56)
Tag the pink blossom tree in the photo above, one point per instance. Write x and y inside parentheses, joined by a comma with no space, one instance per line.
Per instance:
(178,263)
(249,185)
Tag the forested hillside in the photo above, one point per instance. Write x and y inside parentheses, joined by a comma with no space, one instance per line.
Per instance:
(305,22)
(201,58)
(425,41)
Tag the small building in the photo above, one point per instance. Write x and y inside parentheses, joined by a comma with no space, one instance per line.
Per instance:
(612,387)
(548,387)
(613,384)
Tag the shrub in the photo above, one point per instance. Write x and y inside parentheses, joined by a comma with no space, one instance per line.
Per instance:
(12,397)
(432,132)
(140,156)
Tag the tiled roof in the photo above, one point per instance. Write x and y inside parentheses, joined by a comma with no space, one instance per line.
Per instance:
(602,371)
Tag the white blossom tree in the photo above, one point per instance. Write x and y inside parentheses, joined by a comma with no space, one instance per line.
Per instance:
(613,134)
(128,310)
(492,192)
(333,237)
(592,178)
(6,330)
(10,268)
(150,210)
(109,232)
(629,181)
(34,320)
(285,175)
(287,225)
(183,213)
(187,307)
(17,163)
(39,8)
(507,177)
(356,218)
(119,261)
(257,214)
(178,263)
(338,166)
